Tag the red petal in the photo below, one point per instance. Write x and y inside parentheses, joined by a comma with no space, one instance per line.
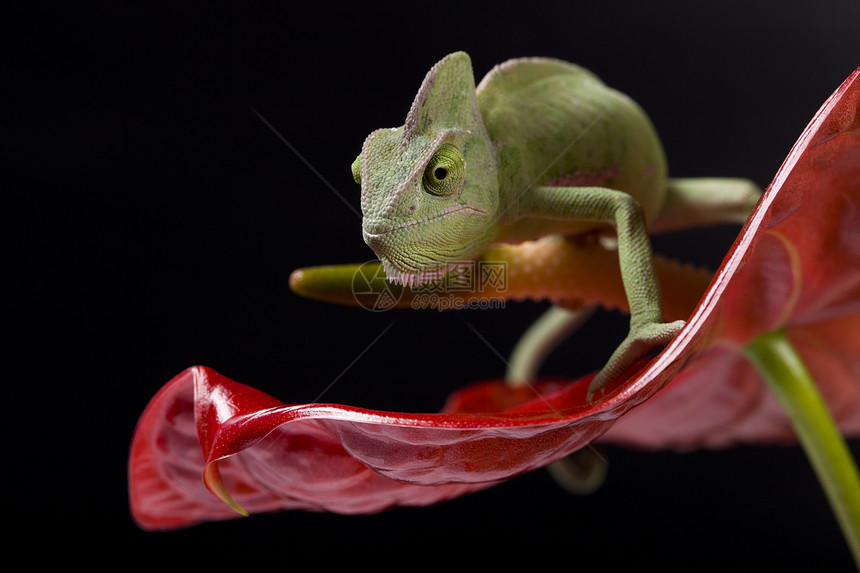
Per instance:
(271,456)
(328,457)
(795,265)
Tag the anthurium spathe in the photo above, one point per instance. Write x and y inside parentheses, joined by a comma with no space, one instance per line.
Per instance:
(207,447)
(795,268)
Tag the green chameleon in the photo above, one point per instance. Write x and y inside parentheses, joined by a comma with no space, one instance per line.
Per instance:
(541,147)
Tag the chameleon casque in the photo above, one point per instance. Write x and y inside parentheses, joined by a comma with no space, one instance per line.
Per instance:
(540,147)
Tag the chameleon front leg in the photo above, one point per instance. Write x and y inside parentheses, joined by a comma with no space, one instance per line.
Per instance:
(641,285)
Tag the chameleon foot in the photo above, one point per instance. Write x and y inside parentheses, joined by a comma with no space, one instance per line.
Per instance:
(639,341)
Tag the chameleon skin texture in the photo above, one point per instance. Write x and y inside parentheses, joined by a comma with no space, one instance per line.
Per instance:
(555,124)
(541,147)
(531,122)
(416,233)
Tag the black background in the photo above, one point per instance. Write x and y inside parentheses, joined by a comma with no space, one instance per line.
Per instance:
(152,220)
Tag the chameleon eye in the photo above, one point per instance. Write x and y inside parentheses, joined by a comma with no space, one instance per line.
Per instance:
(356,169)
(446,171)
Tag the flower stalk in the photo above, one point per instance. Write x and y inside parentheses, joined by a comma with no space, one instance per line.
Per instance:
(784,371)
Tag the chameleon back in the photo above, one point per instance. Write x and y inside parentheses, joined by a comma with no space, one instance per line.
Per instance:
(553,123)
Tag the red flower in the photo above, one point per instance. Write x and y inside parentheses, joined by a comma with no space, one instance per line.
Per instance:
(795,266)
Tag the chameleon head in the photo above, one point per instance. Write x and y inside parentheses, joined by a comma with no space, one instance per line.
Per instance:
(429,191)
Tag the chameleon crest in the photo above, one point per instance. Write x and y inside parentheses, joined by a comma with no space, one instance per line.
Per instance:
(429,190)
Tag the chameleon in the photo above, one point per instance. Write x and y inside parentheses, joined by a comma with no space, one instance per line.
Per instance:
(538,147)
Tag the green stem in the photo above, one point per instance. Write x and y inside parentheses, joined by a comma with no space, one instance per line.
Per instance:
(784,371)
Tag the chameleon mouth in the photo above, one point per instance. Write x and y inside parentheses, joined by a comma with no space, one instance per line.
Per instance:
(410,270)
(378,228)
(413,279)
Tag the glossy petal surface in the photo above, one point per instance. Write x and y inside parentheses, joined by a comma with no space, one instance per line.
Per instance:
(796,265)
